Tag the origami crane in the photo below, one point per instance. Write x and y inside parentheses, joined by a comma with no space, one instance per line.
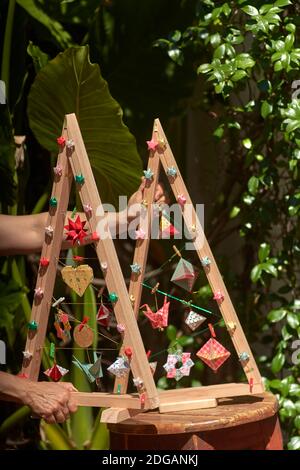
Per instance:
(103,316)
(75,230)
(213,354)
(184,275)
(183,360)
(56,372)
(92,371)
(158,319)
(120,367)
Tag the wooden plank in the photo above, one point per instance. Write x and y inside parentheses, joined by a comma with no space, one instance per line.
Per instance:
(209,391)
(197,404)
(106,253)
(142,248)
(212,272)
(46,276)
(117,415)
(100,399)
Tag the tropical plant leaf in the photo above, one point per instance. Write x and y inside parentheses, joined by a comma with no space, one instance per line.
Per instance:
(8,187)
(55,437)
(71,84)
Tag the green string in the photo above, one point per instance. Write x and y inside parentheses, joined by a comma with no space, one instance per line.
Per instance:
(180,300)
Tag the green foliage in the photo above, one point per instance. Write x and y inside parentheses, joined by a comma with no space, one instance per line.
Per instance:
(247,54)
(71,84)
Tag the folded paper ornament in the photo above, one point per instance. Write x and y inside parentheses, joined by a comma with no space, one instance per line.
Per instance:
(193,320)
(213,354)
(83,335)
(75,230)
(158,319)
(56,372)
(167,229)
(184,275)
(78,278)
(103,316)
(178,365)
(92,371)
(120,367)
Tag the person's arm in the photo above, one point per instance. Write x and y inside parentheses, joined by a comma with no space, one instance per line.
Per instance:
(51,401)
(24,234)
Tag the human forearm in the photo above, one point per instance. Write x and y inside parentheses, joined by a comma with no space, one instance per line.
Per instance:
(13,388)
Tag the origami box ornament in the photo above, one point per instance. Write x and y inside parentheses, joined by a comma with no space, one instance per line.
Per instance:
(193,320)
(184,275)
(92,371)
(120,367)
(183,360)
(56,372)
(158,319)
(103,316)
(213,354)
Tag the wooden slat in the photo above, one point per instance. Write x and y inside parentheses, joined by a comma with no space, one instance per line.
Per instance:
(98,399)
(142,248)
(106,253)
(46,277)
(213,274)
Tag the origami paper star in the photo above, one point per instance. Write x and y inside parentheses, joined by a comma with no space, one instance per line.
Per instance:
(120,367)
(121,328)
(44,262)
(171,171)
(113,297)
(103,316)
(140,234)
(194,320)
(75,230)
(70,144)
(27,355)
(57,170)
(56,372)
(61,141)
(87,209)
(205,261)
(244,356)
(92,371)
(38,293)
(184,275)
(32,325)
(213,354)
(79,179)
(183,360)
(148,174)
(151,144)
(49,231)
(135,268)
(218,296)
(158,319)
(166,228)
(53,202)
(181,199)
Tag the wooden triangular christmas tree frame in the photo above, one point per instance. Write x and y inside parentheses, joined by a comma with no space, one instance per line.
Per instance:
(175,400)
(73,160)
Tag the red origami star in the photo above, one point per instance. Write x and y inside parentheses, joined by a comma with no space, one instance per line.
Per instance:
(75,230)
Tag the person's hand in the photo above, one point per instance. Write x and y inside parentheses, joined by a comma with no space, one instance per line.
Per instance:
(51,401)
(135,201)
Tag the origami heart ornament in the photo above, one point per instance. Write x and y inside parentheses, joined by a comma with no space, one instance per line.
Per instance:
(78,278)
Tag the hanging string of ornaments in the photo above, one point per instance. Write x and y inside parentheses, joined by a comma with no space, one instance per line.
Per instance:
(178,363)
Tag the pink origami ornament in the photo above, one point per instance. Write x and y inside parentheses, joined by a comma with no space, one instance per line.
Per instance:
(184,275)
(140,234)
(151,144)
(218,296)
(158,319)
(38,293)
(213,354)
(181,199)
(103,316)
(76,231)
(57,170)
(120,328)
(56,372)
(87,209)
(181,359)
(61,141)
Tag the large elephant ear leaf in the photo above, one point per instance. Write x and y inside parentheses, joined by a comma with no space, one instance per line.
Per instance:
(71,84)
